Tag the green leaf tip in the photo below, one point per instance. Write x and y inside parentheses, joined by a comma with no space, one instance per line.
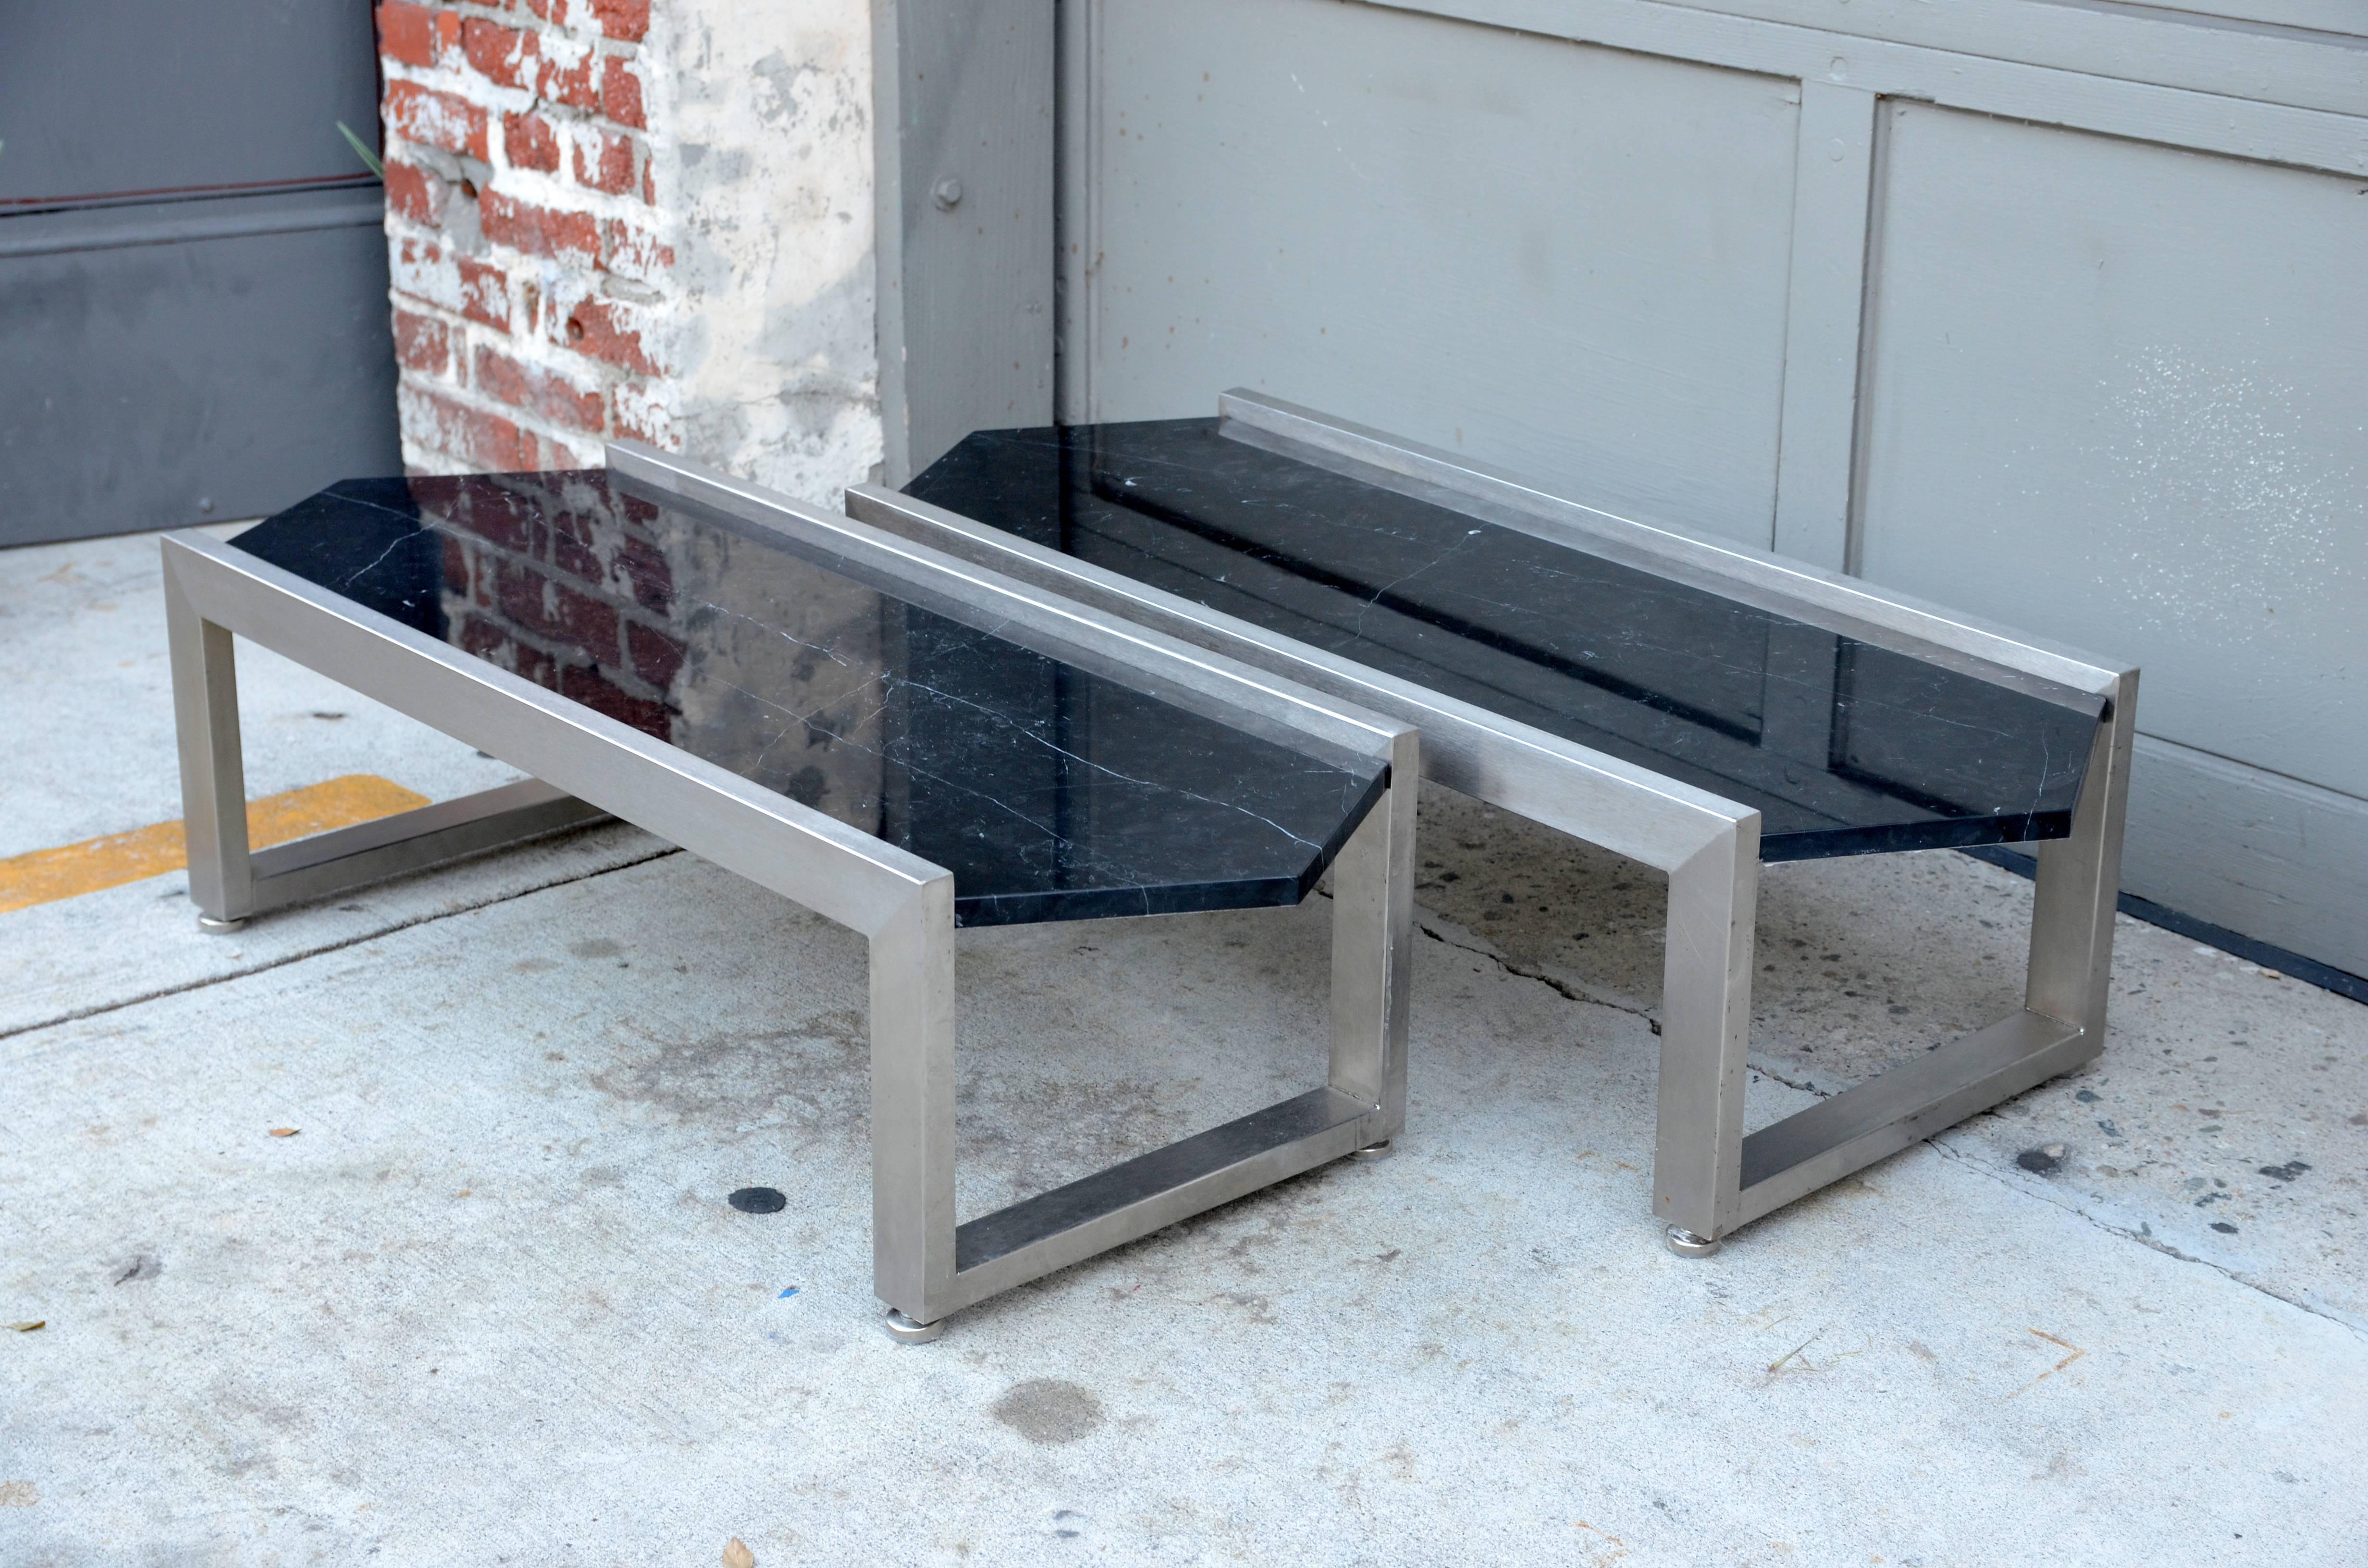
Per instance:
(362,150)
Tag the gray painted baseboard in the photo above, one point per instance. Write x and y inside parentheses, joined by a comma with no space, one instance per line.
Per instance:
(170,363)
(2275,858)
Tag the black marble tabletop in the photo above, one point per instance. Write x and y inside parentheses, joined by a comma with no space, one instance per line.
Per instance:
(1051,793)
(1844,747)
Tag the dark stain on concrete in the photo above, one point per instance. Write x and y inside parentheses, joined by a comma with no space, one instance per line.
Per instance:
(142,1266)
(1259,1309)
(1049,1411)
(812,1071)
(2041,1162)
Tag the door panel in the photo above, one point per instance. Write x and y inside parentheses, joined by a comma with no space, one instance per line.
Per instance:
(2115,395)
(1564,260)
(151,386)
(193,284)
(109,97)
(2100,376)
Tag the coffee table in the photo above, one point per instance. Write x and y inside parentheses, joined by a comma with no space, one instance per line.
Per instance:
(1698,706)
(903,743)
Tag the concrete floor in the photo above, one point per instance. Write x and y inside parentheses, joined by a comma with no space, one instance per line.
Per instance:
(488,1304)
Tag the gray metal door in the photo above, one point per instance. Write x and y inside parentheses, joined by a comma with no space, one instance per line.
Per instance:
(2060,325)
(193,316)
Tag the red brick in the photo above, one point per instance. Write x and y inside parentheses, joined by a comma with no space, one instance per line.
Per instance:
(484,639)
(572,548)
(502,55)
(625,426)
(419,194)
(591,624)
(438,120)
(514,522)
(415,35)
(577,86)
(626,19)
(631,252)
(536,390)
(489,4)
(551,11)
(566,453)
(612,169)
(643,565)
(529,142)
(597,692)
(480,639)
(657,657)
(552,609)
(485,440)
(609,330)
(540,231)
(418,268)
(650,181)
(455,566)
(636,415)
(484,293)
(422,343)
(620,92)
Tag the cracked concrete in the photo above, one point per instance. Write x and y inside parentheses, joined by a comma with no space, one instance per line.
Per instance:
(2227,1119)
(488,1303)
(81,638)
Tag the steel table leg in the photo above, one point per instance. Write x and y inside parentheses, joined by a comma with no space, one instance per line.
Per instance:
(925,1266)
(1710,1177)
(213,775)
(229,880)
(1705,1029)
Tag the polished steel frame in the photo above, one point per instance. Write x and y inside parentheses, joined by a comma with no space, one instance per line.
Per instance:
(584,764)
(1709,1175)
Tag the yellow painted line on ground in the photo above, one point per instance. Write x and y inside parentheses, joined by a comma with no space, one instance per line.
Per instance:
(44,876)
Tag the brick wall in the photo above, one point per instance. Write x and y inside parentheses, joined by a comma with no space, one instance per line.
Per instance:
(635,218)
(571,590)
(594,593)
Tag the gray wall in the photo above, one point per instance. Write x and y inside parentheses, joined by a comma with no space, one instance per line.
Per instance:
(2116,390)
(1564,260)
(962,108)
(193,319)
(2053,311)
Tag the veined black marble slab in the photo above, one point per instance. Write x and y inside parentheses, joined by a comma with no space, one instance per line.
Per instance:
(1051,792)
(1843,746)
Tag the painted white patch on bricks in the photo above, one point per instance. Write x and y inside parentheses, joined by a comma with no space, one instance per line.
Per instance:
(772,160)
(422,271)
